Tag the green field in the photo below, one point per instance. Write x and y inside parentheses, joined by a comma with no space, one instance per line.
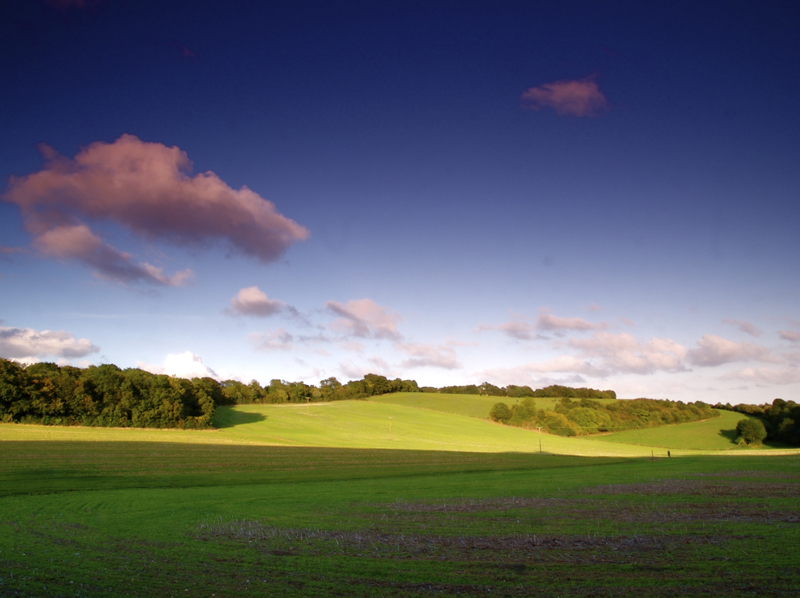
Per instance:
(469,405)
(338,499)
(713,434)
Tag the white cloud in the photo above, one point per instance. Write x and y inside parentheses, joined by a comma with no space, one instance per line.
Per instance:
(364,318)
(30,346)
(252,301)
(713,350)
(181,365)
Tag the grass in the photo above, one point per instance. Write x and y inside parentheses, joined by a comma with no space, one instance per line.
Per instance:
(371,523)
(441,504)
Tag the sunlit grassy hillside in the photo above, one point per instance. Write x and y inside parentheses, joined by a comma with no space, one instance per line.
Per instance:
(374,425)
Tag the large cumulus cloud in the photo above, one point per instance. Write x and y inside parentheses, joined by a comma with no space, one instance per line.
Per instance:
(148,189)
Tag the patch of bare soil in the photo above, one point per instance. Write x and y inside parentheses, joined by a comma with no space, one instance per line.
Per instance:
(737,489)
(775,475)
(378,544)
(593,509)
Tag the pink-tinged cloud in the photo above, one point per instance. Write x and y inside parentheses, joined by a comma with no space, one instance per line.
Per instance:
(252,301)
(547,321)
(581,97)
(148,189)
(279,340)
(80,243)
(744,326)
(624,354)
(428,355)
(29,345)
(790,335)
(9,250)
(713,350)
(364,318)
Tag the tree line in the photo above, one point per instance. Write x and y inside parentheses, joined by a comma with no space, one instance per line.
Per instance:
(780,421)
(513,391)
(105,395)
(586,416)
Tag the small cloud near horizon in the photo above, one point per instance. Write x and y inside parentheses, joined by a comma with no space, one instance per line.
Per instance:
(252,301)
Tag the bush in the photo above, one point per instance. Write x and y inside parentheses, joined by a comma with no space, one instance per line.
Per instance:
(751,431)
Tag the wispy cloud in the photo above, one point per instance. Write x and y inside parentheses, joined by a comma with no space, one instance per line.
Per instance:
(364,318)
(520,328)
(148,189)
(428,355)
(29,345)
(744,326)
(624,353)
(278,340)
(578,97)
(713,350)
(763,376)
(790,335)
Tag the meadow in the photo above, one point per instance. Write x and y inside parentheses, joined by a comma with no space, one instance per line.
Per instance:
(339,499)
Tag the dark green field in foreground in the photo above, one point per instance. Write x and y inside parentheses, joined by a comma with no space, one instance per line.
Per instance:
(171,519)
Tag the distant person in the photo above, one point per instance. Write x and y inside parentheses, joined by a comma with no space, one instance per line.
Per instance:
(669,454)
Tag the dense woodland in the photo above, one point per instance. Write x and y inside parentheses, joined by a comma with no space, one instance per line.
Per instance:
(781,419)
(586,416)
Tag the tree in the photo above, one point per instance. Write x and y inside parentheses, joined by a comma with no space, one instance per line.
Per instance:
(500,413)
(751,431)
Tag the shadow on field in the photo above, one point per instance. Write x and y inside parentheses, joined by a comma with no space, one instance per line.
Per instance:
(229,418)
(729,434)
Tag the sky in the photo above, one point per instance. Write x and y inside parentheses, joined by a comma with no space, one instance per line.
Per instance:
(590,194)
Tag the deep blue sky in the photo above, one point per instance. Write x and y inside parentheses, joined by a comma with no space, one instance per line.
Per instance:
(455,234)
